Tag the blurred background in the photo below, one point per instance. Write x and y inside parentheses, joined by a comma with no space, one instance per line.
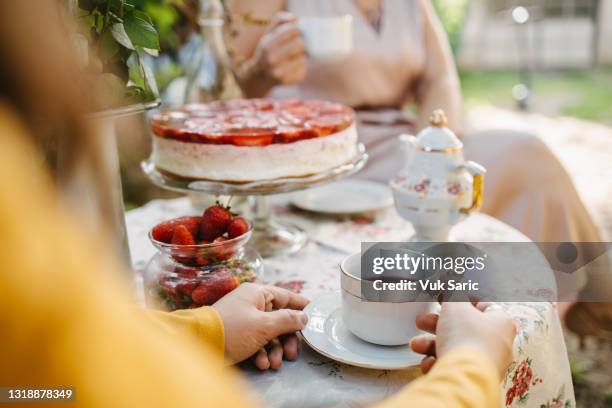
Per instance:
(541,66)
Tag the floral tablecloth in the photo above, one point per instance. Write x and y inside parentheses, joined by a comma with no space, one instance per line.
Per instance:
(539,376)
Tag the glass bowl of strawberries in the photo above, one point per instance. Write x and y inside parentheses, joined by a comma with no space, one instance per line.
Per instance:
(200,259)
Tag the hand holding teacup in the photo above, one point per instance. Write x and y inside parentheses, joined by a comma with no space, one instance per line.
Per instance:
(463,325)
(280,56)
(283,49)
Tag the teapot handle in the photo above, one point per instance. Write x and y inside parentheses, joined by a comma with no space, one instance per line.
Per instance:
(478,172)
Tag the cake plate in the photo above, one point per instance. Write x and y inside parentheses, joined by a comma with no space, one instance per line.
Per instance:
(271,236)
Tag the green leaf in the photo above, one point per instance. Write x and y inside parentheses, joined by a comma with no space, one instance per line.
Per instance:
(151,51)
(140,30)
(149,76)
(135,74)
(141,75)
(120,34)
(143,16)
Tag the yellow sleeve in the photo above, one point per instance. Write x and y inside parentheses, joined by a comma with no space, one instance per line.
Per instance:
(66,319)
(204,323)
(461,379)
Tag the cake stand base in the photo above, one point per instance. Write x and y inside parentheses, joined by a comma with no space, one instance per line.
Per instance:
(272,237)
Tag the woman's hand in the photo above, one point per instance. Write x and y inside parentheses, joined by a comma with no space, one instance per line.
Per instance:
(278,59)
(261,321)
(463,325)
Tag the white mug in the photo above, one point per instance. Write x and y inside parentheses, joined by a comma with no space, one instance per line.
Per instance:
(383,323)
(327,37)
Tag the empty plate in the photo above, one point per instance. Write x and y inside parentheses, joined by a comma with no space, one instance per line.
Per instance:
(344,197)
(327,334)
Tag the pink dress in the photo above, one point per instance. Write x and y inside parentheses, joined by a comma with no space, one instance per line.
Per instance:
(526,186)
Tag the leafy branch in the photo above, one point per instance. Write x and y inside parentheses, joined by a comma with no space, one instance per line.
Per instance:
(118,37)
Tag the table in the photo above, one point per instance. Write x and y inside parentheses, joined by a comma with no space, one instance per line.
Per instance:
(539,376)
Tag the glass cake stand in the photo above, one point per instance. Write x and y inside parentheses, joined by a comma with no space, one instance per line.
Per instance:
(271,236)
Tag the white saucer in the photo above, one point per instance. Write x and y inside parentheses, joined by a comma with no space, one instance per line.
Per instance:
(344,197)
(327,334)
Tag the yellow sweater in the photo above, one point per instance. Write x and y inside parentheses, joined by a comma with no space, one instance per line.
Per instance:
(65,321)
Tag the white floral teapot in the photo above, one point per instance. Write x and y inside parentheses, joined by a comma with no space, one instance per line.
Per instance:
(436,187)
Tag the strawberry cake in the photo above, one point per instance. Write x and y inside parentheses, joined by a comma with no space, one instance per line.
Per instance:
(253,139)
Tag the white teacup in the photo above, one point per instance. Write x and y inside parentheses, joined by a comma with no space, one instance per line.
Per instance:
(384,323)
(327,37)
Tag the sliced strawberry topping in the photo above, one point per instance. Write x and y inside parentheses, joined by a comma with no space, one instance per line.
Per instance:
(252,122)
(254,140)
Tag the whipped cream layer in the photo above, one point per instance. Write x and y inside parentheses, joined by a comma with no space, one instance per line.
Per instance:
(226,162)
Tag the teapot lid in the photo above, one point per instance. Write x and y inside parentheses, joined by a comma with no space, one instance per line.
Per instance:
(438,137)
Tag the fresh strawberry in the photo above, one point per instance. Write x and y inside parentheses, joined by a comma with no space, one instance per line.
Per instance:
(214,288)
(192,223)
(237,227)
(202,296)
(163,231)
(182,236)
(187,286)
(222,238)
(214,222)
